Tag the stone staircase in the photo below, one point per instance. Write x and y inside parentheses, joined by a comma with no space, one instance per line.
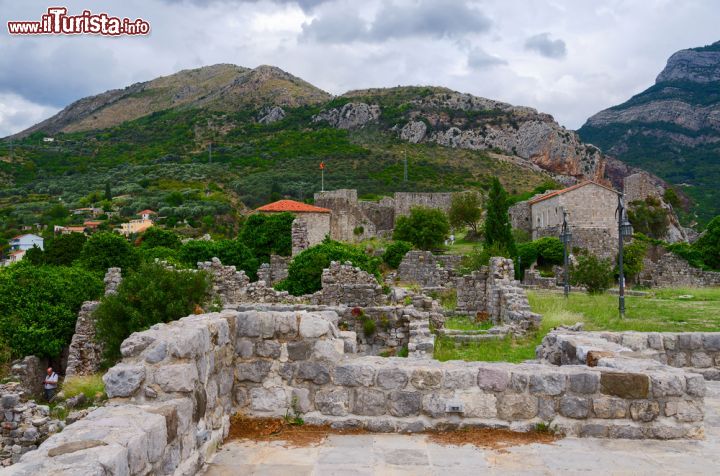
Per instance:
(465,336)
(422,341)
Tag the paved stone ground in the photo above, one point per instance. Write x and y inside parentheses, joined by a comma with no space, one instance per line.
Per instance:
(383,454)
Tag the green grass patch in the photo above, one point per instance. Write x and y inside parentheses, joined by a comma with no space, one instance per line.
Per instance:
(90,385)
(464,323)
(666,310)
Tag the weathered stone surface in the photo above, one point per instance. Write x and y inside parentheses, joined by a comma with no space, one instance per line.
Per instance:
(255,371)
(156,353)
(625,385)
(245,348)
(644,410)
(495,380)
(177,377)
(74,446)
(402,404)
(695,385)
(668,385)
(517,406)
(301,350)
(424,379)
(330,350)
(686,411)
(317,372)
(333,402)
(269,400)
(268,348)
(478,404)
(123,379)
(391,379)
(547,384)
(368,401)
(354,375)
(136,343)
(460,378)
(313,326)
(574,407)
(584,382)
(609,407)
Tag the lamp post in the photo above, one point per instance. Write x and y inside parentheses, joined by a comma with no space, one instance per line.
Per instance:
(624,230)
(565,237)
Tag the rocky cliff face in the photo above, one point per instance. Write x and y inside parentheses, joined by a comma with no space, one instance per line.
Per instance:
(673,128)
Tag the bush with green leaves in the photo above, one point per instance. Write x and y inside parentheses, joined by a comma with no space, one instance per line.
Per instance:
(306,268)
(39,306)
(550,251)
(229,252)
(155,237)
(426,228)
(268,234)
(64,250)
(480,256)
(595,274)
(147,296)
(465,211)
(108,250)
(34,256)
(395,252)
(633,259)
(708,245)
(649,217)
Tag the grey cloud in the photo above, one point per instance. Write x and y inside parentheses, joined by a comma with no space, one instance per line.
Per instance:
(432,18)
(479,59)
(306,5)
(543,44)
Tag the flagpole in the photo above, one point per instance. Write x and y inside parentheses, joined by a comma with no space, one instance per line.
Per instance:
(322,180)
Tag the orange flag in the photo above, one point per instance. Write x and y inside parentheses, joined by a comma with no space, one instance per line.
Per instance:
(322,165)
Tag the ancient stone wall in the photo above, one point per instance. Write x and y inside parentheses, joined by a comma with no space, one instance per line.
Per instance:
(533,278)
(228,284)
(427,269)
(405,201)
(662,268)
(274,271)
(381,215)
(639,186)
(521,217)
(348,220)
(472,292)
(506,301)
(598,241)
(349,285)
(299,236)
(318,227)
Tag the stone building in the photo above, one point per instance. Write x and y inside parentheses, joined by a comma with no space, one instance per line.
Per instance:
(316,218)
(590,209)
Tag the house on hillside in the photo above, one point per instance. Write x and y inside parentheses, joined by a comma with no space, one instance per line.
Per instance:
(25,242)
(134,226)
(317,219)
(92,211)
(590,209)
(146,214)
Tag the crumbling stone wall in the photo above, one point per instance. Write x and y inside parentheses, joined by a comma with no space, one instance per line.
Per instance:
(405,201)
(533,278)
(299,236)
(85,352)
(507,302)
(427,269)
(29,373)
(521,217)
(349,215)
(639,186)
(662,268)
(472,291)
(228,284)
(274,271)
(349,285)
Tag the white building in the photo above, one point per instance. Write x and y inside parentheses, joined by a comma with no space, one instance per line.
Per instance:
(25,242)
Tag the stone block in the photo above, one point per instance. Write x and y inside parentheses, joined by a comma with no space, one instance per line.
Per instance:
(136,343)
(333,402)
(478,404)
(369,402)
(272,399)
(495,380)
(593,430)
(655,341)
(667,385)
(433,404)
(519,382)
(391,378)
(513,407)
(330,350)
(254,371)
(317,372)
(176,377)
(609,407)
(156,353)
(244,348)
(695,385)
(301,350)
(286,324)
(268,348)
(547,383)
(711,341)
(628,432)
(669,341)
(460,378)
(403,404)
(381,425)
(354,375)
(644,410)
(312,326)
(547,408)
(123,380)
(678,359)
(686,411)
(637,342)
(625,385)
(689,341)
(301,399)
(248,324)
(424,379)
(701,360)
(584,382)
(574,407)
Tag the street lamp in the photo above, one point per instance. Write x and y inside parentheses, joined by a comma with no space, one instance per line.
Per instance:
(624,230)
(565,237)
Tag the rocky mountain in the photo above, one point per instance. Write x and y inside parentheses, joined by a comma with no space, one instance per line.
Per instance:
(673,128)
(221,87)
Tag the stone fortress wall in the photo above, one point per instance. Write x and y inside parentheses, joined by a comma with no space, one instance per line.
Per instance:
(662,268)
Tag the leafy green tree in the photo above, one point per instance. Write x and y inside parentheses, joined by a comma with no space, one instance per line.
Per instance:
(497,222)
(306,268)
(35,256)
(108,192)
(649,217)
(150,295)
(480,256)
(593,273)
(527,254)
(268,234)
(709,244)
(39,306)
(425,228)
(550,250)
(156,236)
(670,196)
(633,257)
(108,250)
(229,252)
(63,250)
(395,252)
(465,211)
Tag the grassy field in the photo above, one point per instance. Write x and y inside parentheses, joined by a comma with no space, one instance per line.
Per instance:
(663,310)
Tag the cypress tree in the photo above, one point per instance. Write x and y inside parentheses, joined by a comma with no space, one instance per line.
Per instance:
(497,223)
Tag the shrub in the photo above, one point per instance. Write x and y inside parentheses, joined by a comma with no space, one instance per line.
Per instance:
(39,306)
(465,211)
(480,256)
(709,244)
(550,250)
(150,295)
(35,256)
(395,252)
(368,326)
(527,254)
(633,257)
(649,217)
(107,250)
(156,236)
(229,252)
(64,250)
(426,228)
(267,234)
(306,268)
(593,273)
(163,254)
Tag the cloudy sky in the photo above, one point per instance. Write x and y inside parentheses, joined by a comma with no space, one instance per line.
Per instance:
(570,58)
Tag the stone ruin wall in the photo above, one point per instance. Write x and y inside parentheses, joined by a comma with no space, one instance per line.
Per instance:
(349,285)
(662,268)
(299,236)
(521,216)
(506,301)
(274,271)
(639,186)
(405,201)
(178,384)
(598,241)
(427,269)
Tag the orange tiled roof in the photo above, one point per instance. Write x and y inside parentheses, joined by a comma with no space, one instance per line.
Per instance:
(92,223)
(292,206)
(565,190)
(147,212)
